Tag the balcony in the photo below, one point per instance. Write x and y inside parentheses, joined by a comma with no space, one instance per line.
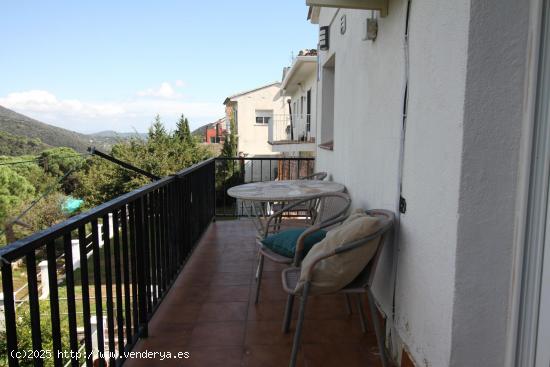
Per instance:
(171,279)
(210,313)
(292,133)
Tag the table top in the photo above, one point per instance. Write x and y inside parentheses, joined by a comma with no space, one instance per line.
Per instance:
(290,190)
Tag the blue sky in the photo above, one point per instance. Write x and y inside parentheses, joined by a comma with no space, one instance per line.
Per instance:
(97,65)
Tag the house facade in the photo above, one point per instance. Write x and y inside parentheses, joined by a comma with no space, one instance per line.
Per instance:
(294,132)
(428,108)
(215,132)
(252,111)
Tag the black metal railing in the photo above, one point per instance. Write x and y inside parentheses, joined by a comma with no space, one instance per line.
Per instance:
(237,171)
(144,240)
(130,250)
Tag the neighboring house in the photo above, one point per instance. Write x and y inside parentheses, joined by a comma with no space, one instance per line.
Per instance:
(295,130)
(435,117)
(213,133)
(252,112)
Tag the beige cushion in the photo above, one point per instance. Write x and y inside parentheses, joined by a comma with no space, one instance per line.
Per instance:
(335,272)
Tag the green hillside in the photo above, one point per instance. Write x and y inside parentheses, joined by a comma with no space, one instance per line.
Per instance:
(20,125)
(12,145)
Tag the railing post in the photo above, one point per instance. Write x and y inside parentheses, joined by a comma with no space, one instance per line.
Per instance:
(44,279)
(2,317)
(141,268)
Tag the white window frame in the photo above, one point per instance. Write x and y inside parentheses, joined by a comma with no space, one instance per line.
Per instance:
(265,115)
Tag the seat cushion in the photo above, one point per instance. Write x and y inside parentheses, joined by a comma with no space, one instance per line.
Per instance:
(335,272)
(284,242)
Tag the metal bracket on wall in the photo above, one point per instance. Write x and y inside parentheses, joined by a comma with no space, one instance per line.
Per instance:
(402,205)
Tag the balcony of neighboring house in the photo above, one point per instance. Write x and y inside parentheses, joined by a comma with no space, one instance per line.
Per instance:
(292,133)
(167,268)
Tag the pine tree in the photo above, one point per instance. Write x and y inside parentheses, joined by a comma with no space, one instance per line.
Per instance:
(157,129)
(230,144)
(183,132)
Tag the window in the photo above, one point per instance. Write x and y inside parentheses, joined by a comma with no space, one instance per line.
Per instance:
(327,111)
(263,117)
(212,139)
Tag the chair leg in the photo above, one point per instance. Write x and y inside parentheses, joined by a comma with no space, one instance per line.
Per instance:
(348,304)
(259,278)
(362,319)
(378,330)
(299,326)
(288,313)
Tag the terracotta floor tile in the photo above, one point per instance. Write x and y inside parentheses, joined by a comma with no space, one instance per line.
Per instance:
(223,311)
(238,293)
(341,331)
(210,312)
(182,312)
(214,356)
(267,333)
(229,333)
(269,356)
(268,311)
(335,355)
(231,278)
(189,294)
(192,279)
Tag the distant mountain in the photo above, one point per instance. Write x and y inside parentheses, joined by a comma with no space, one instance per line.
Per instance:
(29,135)
(17,124)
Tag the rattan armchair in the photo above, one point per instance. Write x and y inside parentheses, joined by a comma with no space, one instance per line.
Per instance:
(331,209)
(361,285)
(315,176)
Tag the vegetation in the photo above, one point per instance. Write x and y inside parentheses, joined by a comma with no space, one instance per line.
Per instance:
(56,174)
(229,172)
(19,145)
(46,180)
(23,135)
(17,124)
(162,154)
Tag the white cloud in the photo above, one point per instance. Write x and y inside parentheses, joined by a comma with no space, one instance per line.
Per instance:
(165,90)
(135,113)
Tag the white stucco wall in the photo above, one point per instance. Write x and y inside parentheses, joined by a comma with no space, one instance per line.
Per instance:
(493,109)
(368,120)
(253,138)
(460,162)
(308,83)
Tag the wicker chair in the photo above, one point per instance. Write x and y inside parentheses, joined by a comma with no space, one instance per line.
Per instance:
(305,209)
(361,285)
(332,209)
(320,176)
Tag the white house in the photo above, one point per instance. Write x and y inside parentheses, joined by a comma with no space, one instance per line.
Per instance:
(252,111)
(295,131)
(433,105)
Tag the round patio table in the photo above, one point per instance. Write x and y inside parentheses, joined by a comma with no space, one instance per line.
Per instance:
(260,194)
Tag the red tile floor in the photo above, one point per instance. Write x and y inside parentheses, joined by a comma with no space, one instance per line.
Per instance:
(210,313)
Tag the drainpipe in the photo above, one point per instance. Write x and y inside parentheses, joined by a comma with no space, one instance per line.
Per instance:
(290,113)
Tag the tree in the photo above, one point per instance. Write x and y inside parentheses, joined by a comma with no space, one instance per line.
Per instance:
(162,154)
(157,130)
(183,132)
(229,172)
(231,142)
(14,189)
(58,162)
